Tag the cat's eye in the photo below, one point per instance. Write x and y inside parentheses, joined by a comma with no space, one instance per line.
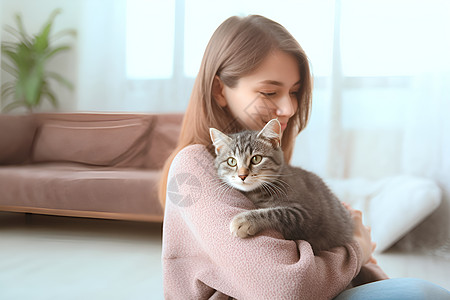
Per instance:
(231,162)
(256,159)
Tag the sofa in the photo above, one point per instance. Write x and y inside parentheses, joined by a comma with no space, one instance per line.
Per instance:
(97,165)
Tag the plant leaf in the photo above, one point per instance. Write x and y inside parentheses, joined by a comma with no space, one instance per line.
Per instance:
(42,39)
(7,89)
(63,33)
(26,60)
(11,70)
(60,79)
(55,51)
(48,26)
(29,87)
(7,85)
(14,32)
(8,93)
(13,105)
(22,31)
(9,46)
(51,97)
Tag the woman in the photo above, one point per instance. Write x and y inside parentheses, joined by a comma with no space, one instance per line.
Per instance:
(252,71)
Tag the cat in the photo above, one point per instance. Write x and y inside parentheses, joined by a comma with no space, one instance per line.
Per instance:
(289,199)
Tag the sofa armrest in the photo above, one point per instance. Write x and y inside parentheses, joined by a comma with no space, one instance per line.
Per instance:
(16,138)
(164,139)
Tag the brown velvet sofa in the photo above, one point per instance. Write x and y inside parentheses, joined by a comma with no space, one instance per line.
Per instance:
(99,165)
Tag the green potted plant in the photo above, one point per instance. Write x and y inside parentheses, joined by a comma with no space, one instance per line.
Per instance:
(26,60)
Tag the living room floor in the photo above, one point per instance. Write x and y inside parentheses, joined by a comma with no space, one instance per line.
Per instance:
(48,257)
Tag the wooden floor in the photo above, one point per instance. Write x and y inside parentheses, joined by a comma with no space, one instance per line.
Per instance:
(47,257)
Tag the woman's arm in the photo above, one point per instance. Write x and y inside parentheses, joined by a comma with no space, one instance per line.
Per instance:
(197,241)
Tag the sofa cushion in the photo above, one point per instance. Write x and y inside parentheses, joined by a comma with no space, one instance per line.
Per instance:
(80,187)
(100,143)
(16,138)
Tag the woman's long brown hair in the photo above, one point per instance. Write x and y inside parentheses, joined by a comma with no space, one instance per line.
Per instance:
(236,48)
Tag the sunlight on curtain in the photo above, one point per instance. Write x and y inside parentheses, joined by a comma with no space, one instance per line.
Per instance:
(101,66)
(388,49)
(150,39)
(406,40)
(305,20)
(394,38)
(160,76)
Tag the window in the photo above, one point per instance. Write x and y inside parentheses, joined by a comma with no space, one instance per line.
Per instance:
(393,38)
(383,45)
(310,22)
(368,52)
(150,39)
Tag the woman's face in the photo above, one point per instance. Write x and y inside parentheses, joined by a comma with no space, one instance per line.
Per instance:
(267,93)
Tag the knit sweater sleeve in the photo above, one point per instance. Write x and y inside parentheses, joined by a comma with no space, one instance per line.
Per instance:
(201,258)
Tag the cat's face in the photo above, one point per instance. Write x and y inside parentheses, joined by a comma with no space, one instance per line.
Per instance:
(249,159)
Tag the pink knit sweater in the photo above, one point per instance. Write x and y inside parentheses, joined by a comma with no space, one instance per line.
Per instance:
(203,260)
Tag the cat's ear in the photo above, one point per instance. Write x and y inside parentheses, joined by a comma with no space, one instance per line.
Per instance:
(272,131)
(219,139)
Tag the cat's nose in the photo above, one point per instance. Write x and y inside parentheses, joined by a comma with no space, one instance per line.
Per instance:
(242,177)
(243,173)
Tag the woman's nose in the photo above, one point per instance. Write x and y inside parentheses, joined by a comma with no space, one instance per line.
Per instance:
(286,106)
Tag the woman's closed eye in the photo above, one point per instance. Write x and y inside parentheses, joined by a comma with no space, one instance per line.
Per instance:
(268,94)
(273,94)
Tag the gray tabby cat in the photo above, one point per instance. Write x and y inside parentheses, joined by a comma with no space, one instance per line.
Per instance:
(288,199)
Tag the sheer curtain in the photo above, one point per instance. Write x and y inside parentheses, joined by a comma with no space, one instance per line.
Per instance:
(426,151)
(384,110)
(101,45)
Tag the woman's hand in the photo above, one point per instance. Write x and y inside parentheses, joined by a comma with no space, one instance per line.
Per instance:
(361,234)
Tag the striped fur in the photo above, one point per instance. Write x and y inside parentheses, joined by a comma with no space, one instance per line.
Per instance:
(288,199)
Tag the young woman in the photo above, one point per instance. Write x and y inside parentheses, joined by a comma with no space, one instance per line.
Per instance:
(252,71)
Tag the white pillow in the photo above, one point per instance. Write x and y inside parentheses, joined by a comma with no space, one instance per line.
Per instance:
(392,206)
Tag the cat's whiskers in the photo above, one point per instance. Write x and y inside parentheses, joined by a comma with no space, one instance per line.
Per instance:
(223,189)
(276,181)
(275,189)
(283,183)
(281,190)
(269,190)
(266,189)
(281,175)
(221,186)
(215,180)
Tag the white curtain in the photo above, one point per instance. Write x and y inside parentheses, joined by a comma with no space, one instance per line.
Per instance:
(374,126)
(426,152)
(101,61)
(419,145)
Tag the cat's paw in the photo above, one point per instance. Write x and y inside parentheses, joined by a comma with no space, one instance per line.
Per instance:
(242,227)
